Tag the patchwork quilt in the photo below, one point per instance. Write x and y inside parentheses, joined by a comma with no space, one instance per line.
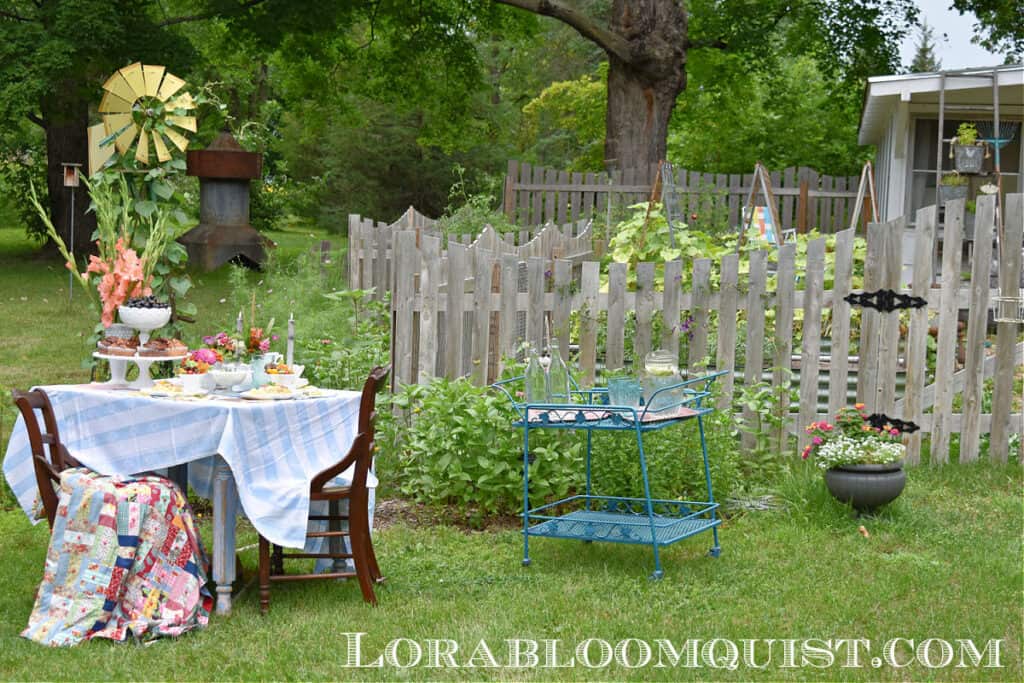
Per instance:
(124,559)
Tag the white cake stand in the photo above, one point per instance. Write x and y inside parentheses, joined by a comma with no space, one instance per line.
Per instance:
(119,368)
(145,320)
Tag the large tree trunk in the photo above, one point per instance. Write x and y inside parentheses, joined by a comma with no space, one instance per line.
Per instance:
(642,90)
(66,118)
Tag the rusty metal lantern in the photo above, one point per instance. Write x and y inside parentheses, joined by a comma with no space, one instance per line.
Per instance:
(224,234)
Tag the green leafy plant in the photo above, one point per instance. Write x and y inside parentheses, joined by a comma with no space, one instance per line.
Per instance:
(762,421)
(469,212)
(953,179)
(452,443)
(966,134)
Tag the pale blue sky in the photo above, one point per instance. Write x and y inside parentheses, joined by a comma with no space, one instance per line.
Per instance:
(953,33)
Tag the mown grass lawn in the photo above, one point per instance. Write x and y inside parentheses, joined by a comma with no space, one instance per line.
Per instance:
(944,562)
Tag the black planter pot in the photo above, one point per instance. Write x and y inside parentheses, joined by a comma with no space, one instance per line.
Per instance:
(866,487)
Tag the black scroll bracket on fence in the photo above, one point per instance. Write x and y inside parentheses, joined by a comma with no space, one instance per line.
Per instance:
(880,421)
(885,300)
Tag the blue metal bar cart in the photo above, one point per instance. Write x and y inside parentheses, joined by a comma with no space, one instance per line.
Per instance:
(590,517)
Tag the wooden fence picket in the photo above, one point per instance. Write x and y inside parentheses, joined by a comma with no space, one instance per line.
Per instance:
(867,355)
(888,334)
(839,358)
(1011,245)
(728,305)
(945,357)
(590,282)
(754,364)
(810,347)
(917,342)
(615,337)
(644,312)
(785,291)
(977,324)
(430,276)
(700,314)
(671,305)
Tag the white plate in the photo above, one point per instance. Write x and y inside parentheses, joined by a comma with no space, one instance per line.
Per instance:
(257,395)
(160,392)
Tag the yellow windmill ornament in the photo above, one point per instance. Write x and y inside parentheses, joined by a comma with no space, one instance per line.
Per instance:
(142,105)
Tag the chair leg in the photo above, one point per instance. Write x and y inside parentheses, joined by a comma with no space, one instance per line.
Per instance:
(264,575)
(359,537)
(361,560)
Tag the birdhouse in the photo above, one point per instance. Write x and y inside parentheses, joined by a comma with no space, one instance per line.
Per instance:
(225,171)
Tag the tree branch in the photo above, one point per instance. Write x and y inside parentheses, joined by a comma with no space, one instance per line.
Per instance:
(207,15)
(610,42)
(36,119)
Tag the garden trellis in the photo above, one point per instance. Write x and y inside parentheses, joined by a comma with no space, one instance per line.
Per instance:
(743,324)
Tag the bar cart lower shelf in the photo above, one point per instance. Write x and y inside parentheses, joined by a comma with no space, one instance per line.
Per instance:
(612,519)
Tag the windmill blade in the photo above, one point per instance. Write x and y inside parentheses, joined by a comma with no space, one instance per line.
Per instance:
(152,75)
(118,86)
(179,140)
(114,123)
(171,84)
(186,122)
(133,75)
(98,154)
(162,154)
(182,101)
(142,151)
(113,104)
(124,141)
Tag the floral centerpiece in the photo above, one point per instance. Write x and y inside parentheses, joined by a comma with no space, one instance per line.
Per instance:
(863,463)
(259,339)
(256,343)
(199,362)
(223,343)
(851,440)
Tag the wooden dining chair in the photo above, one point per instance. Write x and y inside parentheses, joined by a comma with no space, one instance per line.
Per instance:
(360,458)
(49,462)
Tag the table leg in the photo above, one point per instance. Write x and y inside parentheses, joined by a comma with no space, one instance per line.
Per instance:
(225,503)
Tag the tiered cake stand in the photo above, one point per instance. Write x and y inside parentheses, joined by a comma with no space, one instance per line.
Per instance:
(144,320)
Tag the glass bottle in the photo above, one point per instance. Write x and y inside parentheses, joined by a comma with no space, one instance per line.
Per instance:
(558,377)
(536,379)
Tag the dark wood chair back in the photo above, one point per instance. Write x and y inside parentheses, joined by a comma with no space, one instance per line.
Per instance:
(361,453)
(49,456)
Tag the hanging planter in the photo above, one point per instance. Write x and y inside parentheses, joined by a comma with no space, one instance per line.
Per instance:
(952,186)
(967,153)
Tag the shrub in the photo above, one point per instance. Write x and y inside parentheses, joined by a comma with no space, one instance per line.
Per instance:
(454,443)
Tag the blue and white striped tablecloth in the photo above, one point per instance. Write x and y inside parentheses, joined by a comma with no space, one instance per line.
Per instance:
(274,448)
